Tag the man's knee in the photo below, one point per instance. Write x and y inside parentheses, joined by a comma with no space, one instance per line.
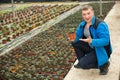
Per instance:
(73,44)
(76,44)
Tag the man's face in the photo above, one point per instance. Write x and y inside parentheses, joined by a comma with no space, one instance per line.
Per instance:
(87,15)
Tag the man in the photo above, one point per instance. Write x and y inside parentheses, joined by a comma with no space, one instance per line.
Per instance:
(92,44)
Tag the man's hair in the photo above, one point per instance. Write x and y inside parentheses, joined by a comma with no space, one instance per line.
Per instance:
(86,7)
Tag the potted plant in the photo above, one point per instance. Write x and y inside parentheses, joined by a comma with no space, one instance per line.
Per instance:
(4,41)
(8,38)
(71,34)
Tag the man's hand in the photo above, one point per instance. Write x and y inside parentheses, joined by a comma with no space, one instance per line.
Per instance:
(88,40)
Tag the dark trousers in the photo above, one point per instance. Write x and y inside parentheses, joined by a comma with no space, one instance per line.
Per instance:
(85,55)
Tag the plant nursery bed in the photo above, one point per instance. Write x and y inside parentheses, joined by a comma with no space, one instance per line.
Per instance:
(27,19)
(46,56)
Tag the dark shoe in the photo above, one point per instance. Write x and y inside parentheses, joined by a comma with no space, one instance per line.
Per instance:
(104,69)
(77,66)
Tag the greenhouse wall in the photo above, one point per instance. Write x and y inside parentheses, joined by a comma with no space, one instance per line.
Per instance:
(9,1)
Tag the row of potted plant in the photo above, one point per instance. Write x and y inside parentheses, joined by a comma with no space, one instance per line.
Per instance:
(26,13)
(36,19)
